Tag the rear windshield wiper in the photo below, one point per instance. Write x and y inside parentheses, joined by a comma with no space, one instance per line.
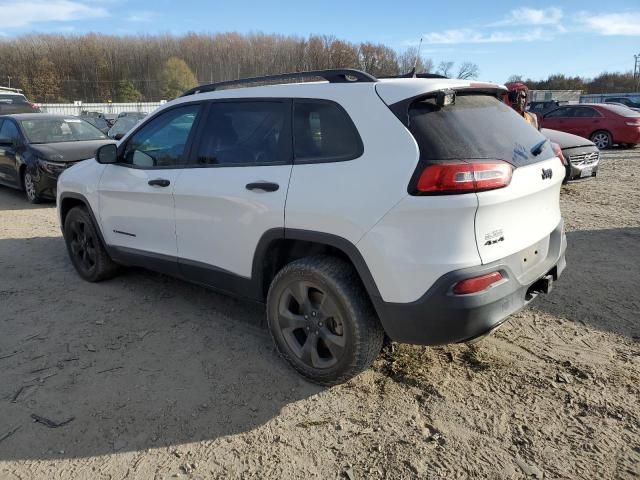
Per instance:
(538,147)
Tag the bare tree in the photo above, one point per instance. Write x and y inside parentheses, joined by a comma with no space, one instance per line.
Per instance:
(468,70)
(410,57)
(98,67)
(445,68)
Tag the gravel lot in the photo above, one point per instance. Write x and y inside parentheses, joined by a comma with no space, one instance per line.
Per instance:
(160,378)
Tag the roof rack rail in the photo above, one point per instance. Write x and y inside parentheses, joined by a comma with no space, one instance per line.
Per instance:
(344,75)
(412,74)
(9,89)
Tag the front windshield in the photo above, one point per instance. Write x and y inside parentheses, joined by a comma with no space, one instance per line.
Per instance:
(57,130)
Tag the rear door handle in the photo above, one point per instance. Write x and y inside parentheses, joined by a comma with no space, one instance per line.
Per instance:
(266,186)
(159,182)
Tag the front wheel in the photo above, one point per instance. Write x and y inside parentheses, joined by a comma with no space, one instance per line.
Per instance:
(30,188)
(322,320)
(602,139)
(88,255)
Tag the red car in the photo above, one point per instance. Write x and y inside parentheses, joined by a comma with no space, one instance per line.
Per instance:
(603,124)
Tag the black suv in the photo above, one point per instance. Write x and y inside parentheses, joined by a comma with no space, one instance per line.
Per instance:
(623,100)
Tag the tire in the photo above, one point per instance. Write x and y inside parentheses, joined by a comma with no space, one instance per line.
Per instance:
(322,321)
(29,185)
(86,251)
(602,139)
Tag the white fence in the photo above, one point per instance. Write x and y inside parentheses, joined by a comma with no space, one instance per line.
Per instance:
(571,96)
(77,108)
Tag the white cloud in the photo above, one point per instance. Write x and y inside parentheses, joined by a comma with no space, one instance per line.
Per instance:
(468,35)
(531,16)
(612,23)
(141,17)
(26,12)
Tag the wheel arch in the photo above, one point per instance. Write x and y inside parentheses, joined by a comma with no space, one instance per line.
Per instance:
(69,200)
(280,246)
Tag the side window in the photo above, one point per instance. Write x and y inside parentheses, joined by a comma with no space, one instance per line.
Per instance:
(585,112)
(9,131)
(560,112)
(162,142)
(246,133)
(323,132)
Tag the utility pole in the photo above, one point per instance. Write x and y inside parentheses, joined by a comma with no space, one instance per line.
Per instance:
(636,71)
(9,80)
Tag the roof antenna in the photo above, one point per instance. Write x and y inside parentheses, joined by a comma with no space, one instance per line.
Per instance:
(415,64)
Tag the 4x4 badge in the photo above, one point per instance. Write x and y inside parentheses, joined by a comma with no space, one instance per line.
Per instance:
(547,173)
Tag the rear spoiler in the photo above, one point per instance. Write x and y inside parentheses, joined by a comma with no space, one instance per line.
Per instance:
(401,109)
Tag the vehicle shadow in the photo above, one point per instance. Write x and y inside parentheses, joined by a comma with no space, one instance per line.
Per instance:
(140,361)
(599,288)
(11,199)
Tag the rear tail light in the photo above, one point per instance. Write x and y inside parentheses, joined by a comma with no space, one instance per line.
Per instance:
(476,284)
(463,177)
(558,151)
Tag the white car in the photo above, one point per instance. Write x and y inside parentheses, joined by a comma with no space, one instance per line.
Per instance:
(423,209)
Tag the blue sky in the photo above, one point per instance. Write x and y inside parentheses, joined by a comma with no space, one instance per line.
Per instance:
(533,39)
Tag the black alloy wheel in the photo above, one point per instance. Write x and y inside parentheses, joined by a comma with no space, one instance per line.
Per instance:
(311,324)
(85,248)
(322,320)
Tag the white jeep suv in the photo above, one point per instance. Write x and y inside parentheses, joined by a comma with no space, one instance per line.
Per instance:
(423,209)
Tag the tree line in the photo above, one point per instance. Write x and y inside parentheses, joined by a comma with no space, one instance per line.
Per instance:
(97,67)
(606,82)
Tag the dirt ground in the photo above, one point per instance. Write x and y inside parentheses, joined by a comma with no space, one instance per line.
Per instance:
(158,378)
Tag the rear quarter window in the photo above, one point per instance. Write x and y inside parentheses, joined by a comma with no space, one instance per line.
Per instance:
(475,127)
(324,132)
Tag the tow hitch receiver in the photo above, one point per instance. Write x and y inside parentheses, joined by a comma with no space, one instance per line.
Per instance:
(542,285)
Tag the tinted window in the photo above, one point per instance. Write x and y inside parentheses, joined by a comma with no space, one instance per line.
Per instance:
(122,126)
(162,142)
(9,131)
(584,112)
(246,133)
(475,127)
(560,112)
(324,132)
(12,99)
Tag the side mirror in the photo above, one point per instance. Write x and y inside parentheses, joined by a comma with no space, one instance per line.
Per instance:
(107,154)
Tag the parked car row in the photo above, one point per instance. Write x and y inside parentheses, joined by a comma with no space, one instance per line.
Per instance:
(36,148)
(604,124)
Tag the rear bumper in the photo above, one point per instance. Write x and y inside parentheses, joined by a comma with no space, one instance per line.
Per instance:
(627,135)
(440,317)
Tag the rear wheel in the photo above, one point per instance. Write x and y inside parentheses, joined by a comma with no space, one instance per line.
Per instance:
(322,320)
(602,139)
(85,249)
(30,188)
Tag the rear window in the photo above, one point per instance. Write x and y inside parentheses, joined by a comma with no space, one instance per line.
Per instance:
(12,99)
(475,127)
(623,111)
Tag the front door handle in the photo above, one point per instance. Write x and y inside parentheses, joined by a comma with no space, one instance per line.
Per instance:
(159,182)
(266,186)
